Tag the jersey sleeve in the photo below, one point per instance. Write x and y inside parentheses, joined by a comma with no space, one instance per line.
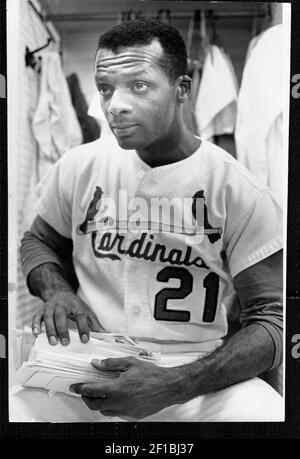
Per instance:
(256,234)
(55,203)
(259,289)
(42,244)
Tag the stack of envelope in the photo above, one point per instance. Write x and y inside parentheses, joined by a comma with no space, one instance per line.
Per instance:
(55,368)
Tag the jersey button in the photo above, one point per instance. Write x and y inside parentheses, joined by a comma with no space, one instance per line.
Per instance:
(141,174)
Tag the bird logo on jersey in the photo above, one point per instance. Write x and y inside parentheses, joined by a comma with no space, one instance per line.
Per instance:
(92,211)
(213,234)
(107,222)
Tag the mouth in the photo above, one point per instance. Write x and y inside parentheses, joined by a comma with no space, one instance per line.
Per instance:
(122,126)
(123,129)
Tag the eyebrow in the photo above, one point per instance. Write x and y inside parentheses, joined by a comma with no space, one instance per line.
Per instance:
(102,78)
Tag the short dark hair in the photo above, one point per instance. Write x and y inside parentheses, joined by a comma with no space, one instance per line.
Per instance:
(141,32)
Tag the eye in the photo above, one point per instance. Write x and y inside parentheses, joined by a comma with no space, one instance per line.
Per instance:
(140,86)
(104,90)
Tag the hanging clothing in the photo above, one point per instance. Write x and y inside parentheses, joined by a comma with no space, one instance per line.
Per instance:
(216,102)
(259,129)
(55,125)
(89,126)
(251,46)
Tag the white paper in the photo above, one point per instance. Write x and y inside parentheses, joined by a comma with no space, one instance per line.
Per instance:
(55,368)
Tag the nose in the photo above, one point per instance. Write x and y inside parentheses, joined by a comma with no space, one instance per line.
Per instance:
(119,103)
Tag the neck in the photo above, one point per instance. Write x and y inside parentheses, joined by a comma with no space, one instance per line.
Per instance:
(177,145)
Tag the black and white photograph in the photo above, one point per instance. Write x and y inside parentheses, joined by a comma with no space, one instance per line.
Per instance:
(148,161)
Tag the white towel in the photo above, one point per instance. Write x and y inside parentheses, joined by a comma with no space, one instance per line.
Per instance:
(259,128)
(215,107)
(55,124)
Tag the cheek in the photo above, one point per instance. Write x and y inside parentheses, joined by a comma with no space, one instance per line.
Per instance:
(159,113)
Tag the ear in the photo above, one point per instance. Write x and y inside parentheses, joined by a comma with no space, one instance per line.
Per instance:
(184,88)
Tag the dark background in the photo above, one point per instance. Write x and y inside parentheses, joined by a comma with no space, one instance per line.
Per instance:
(130,433)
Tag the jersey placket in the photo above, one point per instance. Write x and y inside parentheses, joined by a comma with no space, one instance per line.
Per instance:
(139,320)
(137,316)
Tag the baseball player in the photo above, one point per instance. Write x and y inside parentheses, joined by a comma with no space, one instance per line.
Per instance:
(154,280)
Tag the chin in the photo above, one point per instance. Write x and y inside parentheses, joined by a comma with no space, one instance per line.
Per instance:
(128,144)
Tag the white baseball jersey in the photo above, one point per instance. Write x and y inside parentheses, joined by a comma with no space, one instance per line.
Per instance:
(152,279)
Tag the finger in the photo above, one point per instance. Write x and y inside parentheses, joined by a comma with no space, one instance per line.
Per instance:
(37,323)
(50,326)
(61,326)
(83,327)
(95,404)
(121,364)
(94,323)
(92,390)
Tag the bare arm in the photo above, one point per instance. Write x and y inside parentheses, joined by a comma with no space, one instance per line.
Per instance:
(43,253)
(245,355)
(46,280)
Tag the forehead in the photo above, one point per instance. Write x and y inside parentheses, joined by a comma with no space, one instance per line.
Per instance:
(130,58)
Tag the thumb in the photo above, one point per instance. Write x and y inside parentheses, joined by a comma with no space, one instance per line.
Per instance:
(121,364)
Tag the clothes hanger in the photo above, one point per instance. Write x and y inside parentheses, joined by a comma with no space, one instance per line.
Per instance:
(30,59)
(254,25)
(164,15)
(214,36)
(131,15)
(195,42)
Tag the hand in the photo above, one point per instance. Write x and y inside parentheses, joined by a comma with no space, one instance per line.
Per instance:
(54,314)
(141,389)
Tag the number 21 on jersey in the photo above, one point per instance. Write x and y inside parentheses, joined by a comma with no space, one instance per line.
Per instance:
(188,294)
